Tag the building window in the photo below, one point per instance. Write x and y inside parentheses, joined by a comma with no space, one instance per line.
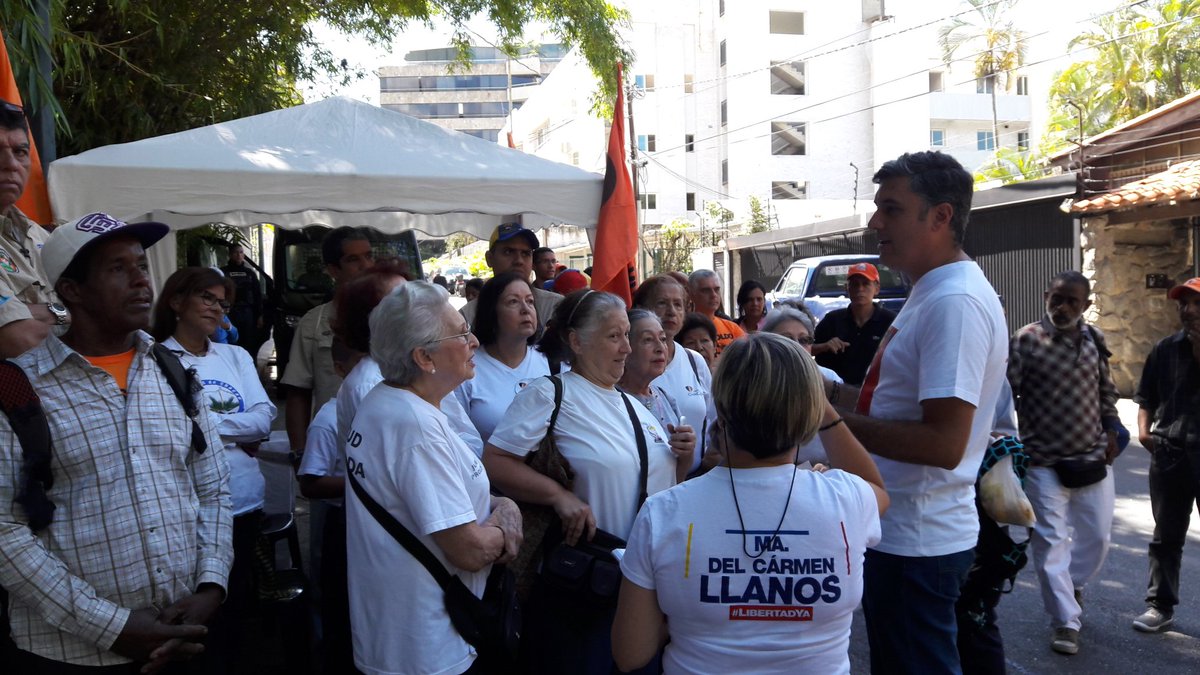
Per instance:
(646,142)
(575,159)
(722,52)
(687,84)
(983,85)
(491,135)
(787,78)
(724,113)
(724,172)
(648,201)
(937,80)
(690,201)
(689,142)
(644,82)
(721,7)
(788,138)
(787,23)
(937,137)
(789,190)
(985,140)
(1022,86)
(1022,140)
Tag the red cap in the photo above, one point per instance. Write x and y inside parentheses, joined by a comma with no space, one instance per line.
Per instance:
(1192,284)
(569,281)
(863,270)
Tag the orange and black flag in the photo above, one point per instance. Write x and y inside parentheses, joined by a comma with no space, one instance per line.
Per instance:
(35,201)
(614,260)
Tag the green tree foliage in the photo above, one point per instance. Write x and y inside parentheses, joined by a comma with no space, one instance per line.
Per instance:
(991,41)
(758,220)
(130,69)
(1010,165)
(1143,57)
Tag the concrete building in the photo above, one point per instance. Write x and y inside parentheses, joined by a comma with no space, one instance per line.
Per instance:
(475,100)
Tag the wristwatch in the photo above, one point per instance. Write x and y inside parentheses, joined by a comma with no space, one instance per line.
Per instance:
(61,316)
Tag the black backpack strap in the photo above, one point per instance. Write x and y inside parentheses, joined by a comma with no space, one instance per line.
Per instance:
(185,385)
(401,534)
(643,455)
(28,421)
(691,360)
(558,394)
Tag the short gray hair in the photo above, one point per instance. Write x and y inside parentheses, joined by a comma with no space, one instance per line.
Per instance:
(581,311)
(780,314)
(408,318)
(700,275)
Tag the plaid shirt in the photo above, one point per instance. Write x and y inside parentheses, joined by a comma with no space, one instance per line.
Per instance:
(141,519)
(1170,390)
(1063,391)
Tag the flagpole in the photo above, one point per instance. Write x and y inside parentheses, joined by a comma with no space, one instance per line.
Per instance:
(42,127)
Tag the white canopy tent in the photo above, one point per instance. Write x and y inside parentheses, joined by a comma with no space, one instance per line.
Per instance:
(334,162)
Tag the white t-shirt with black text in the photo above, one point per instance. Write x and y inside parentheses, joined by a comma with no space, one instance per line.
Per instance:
(949,341)
(594,433)
(486,396)
(688,381)
(789,609)
(406,456)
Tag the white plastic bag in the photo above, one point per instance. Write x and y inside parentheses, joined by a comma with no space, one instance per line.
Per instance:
(1001,495)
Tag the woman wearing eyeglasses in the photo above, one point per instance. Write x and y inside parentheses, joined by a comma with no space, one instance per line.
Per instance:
(795,325)
(756,566)
(404,455)
(189,310)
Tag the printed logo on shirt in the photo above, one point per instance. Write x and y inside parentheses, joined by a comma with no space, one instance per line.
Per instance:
(6,262)
(222,397)
(863,407)
(523,383)
(355,468)
(775,586)
(693,390)
(655,434)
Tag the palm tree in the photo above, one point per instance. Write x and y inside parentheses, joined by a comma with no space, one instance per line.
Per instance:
(996,46)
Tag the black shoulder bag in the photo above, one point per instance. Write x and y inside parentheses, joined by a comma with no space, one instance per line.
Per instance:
(587,572)
(1074,472)
(491,624)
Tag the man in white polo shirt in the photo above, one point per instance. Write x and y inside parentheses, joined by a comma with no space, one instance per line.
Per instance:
(942,359)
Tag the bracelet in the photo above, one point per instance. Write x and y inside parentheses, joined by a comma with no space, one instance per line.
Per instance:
(827,427)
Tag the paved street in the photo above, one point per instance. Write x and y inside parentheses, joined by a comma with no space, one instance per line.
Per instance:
(1107,642)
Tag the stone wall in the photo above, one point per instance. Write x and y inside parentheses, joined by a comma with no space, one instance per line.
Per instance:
(1117,259)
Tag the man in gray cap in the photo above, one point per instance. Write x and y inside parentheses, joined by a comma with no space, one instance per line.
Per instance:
(135,556)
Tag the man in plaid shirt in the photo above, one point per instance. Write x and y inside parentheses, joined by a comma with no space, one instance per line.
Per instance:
(137,555)
(1066,405)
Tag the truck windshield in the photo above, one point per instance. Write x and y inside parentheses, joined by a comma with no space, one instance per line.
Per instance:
(305,271)
(831,280)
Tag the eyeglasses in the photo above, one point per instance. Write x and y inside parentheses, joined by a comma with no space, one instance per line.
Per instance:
(211,300)
(806,341)
(464,335)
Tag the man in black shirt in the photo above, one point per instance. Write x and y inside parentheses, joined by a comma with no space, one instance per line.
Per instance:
(846,338)
(1168,399)
(247,309)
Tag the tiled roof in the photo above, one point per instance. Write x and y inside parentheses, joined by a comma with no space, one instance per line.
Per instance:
(1178,183)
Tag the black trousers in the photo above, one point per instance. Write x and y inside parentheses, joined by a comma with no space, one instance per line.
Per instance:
(1174,488)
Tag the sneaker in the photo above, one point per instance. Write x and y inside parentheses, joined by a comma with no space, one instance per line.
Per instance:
(1066,641)
(1153,620)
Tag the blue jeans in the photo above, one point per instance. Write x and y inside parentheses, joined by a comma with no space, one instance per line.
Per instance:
(909,608)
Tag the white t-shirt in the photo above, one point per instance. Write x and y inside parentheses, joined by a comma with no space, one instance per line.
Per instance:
(242,410)
(362,379)
(487,396)
(814,450)
(405,455)
(787,611)
(322,449)
(691,389)
(595,435)
(949,341)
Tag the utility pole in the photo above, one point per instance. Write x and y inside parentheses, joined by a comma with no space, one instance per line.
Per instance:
(633,147)
(42,124)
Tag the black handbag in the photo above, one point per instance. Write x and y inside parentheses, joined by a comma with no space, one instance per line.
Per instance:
(587,572)
(491,624)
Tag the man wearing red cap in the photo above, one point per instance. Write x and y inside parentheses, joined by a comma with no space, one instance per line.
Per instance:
(846,339)
(1168,399)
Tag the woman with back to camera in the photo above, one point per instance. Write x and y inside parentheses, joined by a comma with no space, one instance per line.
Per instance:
(788,544)
(406,456)
(506,325)
(191,307)
(687,377)
(595,433)
(752,305)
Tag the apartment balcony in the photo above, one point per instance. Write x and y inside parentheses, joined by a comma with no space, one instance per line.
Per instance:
(978,107)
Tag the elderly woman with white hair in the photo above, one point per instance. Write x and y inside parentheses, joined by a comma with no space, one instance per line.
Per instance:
(404,454)
(755,567)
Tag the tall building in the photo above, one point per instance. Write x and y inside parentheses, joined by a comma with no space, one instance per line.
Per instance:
(474,100)
(796,104)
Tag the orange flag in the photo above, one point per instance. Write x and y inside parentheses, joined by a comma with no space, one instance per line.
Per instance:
(35,202)
(614,263)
